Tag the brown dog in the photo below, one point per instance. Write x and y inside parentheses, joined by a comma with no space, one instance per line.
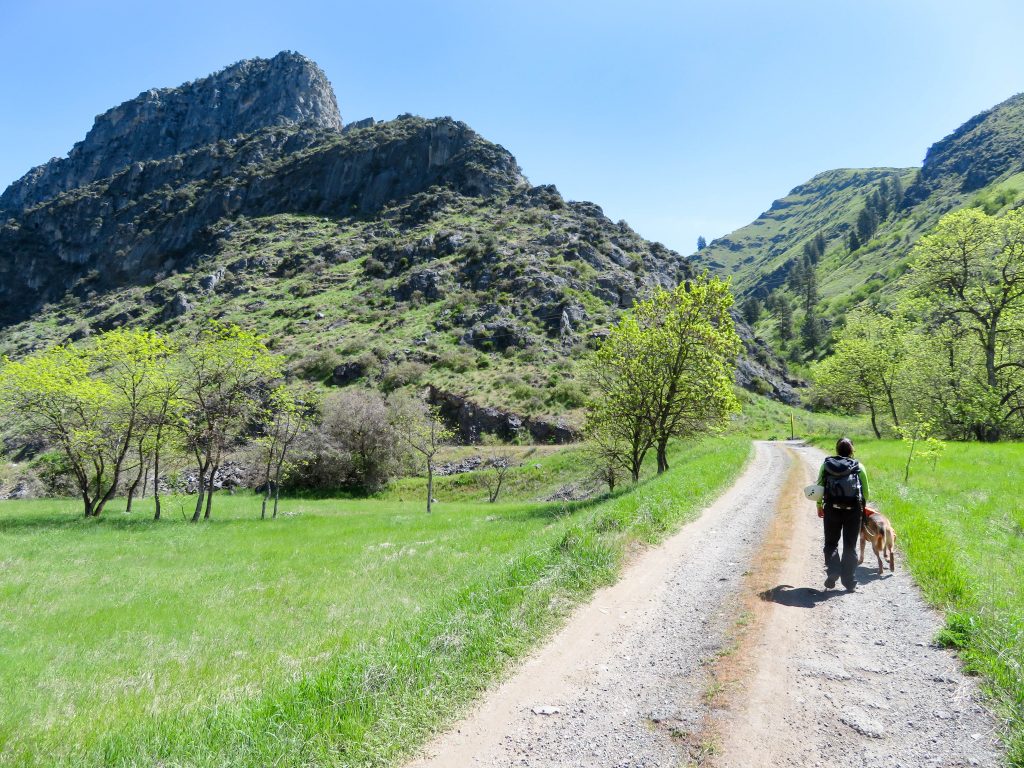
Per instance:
(878,530)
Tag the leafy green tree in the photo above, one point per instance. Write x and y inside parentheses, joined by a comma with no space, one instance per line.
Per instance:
(135,365)
(783,318)
(617,417)
(51,395)
(967,280)
(866,368)
(666,371)
(223,370)
(853,241)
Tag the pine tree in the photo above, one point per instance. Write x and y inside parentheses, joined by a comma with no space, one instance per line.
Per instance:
(784,318)
(701,243)
(853,242)
(811,331)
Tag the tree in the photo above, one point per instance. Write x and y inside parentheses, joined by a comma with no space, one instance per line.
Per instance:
(496,467)
(666,371)
(967,281)
(751,310)
(853,241)
(783,318)
(284,418)
(811,331)
(866,368)
(135,364)
(424,432)
(223,370)
(617,416)
(363,433)
(701,243)
(51,395)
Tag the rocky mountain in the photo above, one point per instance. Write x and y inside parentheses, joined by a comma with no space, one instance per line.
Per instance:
(243,98)
(410,251)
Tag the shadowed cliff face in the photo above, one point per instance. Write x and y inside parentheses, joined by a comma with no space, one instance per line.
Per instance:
(245,97)
(142,193)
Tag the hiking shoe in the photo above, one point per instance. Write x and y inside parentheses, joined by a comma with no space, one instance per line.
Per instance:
(830,582)
(851,587)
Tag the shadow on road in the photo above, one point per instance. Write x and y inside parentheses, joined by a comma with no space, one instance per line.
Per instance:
(797,597)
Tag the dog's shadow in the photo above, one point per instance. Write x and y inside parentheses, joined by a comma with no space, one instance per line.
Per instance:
(797,597)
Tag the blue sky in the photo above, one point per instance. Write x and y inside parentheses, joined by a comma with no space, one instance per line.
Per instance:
(682,118)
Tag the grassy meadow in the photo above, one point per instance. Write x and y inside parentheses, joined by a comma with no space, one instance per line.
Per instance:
(339,634)
(960,523)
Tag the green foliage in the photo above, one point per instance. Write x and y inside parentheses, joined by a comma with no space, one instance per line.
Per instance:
(665,370)
(967,286)
(866,368)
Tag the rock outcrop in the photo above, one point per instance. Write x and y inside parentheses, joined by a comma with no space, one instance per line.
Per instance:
(471,421)
(246,97)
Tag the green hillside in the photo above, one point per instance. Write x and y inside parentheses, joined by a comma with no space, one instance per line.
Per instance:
(853,230)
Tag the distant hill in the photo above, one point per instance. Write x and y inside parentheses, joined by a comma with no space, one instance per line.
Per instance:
(399,252)
(981,163)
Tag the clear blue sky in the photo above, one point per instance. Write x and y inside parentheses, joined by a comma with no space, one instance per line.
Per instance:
(682,118)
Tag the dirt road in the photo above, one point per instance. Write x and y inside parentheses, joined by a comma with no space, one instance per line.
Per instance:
(681,662)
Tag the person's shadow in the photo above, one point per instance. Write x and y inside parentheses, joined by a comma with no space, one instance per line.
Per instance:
(798,597)
(808,597)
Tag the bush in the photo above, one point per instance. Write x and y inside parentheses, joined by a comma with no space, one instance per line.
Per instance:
(403,374)
(356,447)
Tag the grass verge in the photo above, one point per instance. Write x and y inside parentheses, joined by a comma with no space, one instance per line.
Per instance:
(961,525)
(342,634)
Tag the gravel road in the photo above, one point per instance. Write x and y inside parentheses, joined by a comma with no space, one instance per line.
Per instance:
(851,680)
(838,680)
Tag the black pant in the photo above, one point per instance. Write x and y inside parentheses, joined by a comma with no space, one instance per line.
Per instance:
(846,522)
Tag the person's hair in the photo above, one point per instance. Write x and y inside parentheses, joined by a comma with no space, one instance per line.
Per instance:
(844,447)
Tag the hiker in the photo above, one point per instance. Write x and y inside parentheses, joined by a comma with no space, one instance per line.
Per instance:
(842,508)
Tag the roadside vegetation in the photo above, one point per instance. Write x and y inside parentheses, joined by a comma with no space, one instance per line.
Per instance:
(961,527)
(340,633)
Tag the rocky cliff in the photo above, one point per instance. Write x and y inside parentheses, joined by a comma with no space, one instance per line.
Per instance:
(288,89)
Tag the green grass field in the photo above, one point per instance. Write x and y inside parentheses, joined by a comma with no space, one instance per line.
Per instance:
(961,525)
(339,634)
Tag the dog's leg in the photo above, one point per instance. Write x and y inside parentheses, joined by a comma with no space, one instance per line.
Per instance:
(878,545)
(863,541)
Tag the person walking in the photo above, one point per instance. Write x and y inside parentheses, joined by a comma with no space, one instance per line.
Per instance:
(842,508)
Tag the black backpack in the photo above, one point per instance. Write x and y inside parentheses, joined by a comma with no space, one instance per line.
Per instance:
(842,483)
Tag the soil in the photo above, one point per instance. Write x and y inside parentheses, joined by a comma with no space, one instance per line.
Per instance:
(722,647)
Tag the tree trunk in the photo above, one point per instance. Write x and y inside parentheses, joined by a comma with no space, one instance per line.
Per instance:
(145,482)
(266,497)
(874,423)
(201,493)
(209,491)
(135,484)
(662,456)
(430,484)
(277,480)
(156,479)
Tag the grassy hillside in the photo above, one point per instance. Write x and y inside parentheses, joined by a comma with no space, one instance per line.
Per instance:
(978,165)
(756,256)
(338,634)
(961,526)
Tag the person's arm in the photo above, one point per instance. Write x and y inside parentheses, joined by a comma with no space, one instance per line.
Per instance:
(863,475)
